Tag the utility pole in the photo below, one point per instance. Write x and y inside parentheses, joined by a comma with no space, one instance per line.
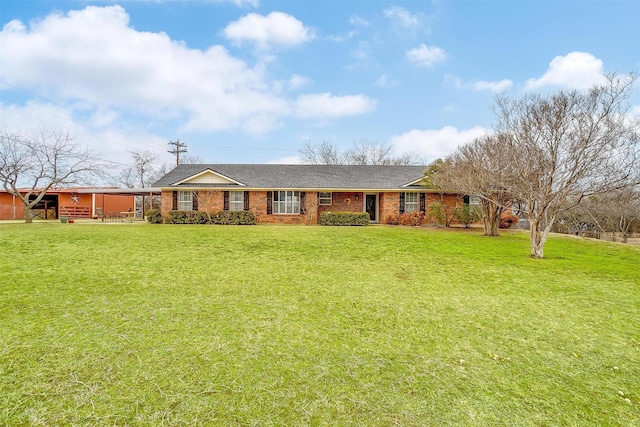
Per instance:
(180,148)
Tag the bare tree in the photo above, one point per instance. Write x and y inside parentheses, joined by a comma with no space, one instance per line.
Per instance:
(323,153)
(478,168)
(43,161)
(362,152)
(143,172)
(191,159)
(616,212)
(206,200)
(365,152)
(565,147)
(548,153)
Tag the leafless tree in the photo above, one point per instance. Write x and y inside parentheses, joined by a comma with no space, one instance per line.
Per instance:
(547,154)
(30,165)
(615,213)
(362,152)
(366,152)
(143,172)
(191,159)
(323,153)
(477,168)
(207,199)
(565,147)
(624,211)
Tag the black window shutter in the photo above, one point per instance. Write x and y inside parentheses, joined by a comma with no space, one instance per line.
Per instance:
(226,201)
(465,199)
(174,203)
(246,200)
(422,202)
(401,203)
(303,197)
(269,203)
(194,200)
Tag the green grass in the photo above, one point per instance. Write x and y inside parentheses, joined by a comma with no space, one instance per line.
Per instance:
(138,324)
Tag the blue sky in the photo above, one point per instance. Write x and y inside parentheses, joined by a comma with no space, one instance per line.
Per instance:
(248,81)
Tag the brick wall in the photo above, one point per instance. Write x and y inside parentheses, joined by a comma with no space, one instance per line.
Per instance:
(344,202)
(388,204)
(214,201)
(166,201)
(451,201)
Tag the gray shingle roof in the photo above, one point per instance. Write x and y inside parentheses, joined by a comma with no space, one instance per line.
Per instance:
(301,176)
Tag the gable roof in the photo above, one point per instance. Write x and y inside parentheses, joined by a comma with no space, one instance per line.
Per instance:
(275,176)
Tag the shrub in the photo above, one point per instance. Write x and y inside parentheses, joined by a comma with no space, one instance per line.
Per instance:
(392,219)
(234,218)
(416,219)
(186,217)
(440,212)
(154,216)
(466,215)
(404,219)
(508,220)
(344,218)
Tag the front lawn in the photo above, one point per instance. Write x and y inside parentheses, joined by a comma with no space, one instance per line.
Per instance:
(147,325)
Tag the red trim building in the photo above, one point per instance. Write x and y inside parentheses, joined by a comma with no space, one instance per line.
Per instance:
(67,202)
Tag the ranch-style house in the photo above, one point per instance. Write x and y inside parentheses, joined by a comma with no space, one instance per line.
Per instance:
(298,194)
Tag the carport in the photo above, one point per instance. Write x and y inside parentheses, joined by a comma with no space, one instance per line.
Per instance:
(100,208)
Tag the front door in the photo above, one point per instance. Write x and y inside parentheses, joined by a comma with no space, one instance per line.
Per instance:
(371,206)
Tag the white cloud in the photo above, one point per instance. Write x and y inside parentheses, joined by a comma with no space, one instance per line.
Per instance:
(403,17)
(576,70)
(478,85)
(386,81)
(358,21)
(434,143)
(498,86)
(92,62)
(344,37)
(99,129)
(454,81)
(253,3)
(426,55)
(633,115)
(331,106)
(275,29)
(240,3)
(360,56)
(297,81)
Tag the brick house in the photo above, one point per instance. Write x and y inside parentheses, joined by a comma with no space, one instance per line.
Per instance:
(298,194)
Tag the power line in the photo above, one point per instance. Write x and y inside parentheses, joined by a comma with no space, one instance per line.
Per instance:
(180,148)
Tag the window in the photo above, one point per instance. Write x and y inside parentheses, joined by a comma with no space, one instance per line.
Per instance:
(236,200)
(286,202)
(411,202)
(185,202)
(475,201)
(324,199)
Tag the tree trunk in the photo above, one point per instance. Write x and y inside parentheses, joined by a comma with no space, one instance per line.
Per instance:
(495,226)
(537,238)
(28,216)
(491,218)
